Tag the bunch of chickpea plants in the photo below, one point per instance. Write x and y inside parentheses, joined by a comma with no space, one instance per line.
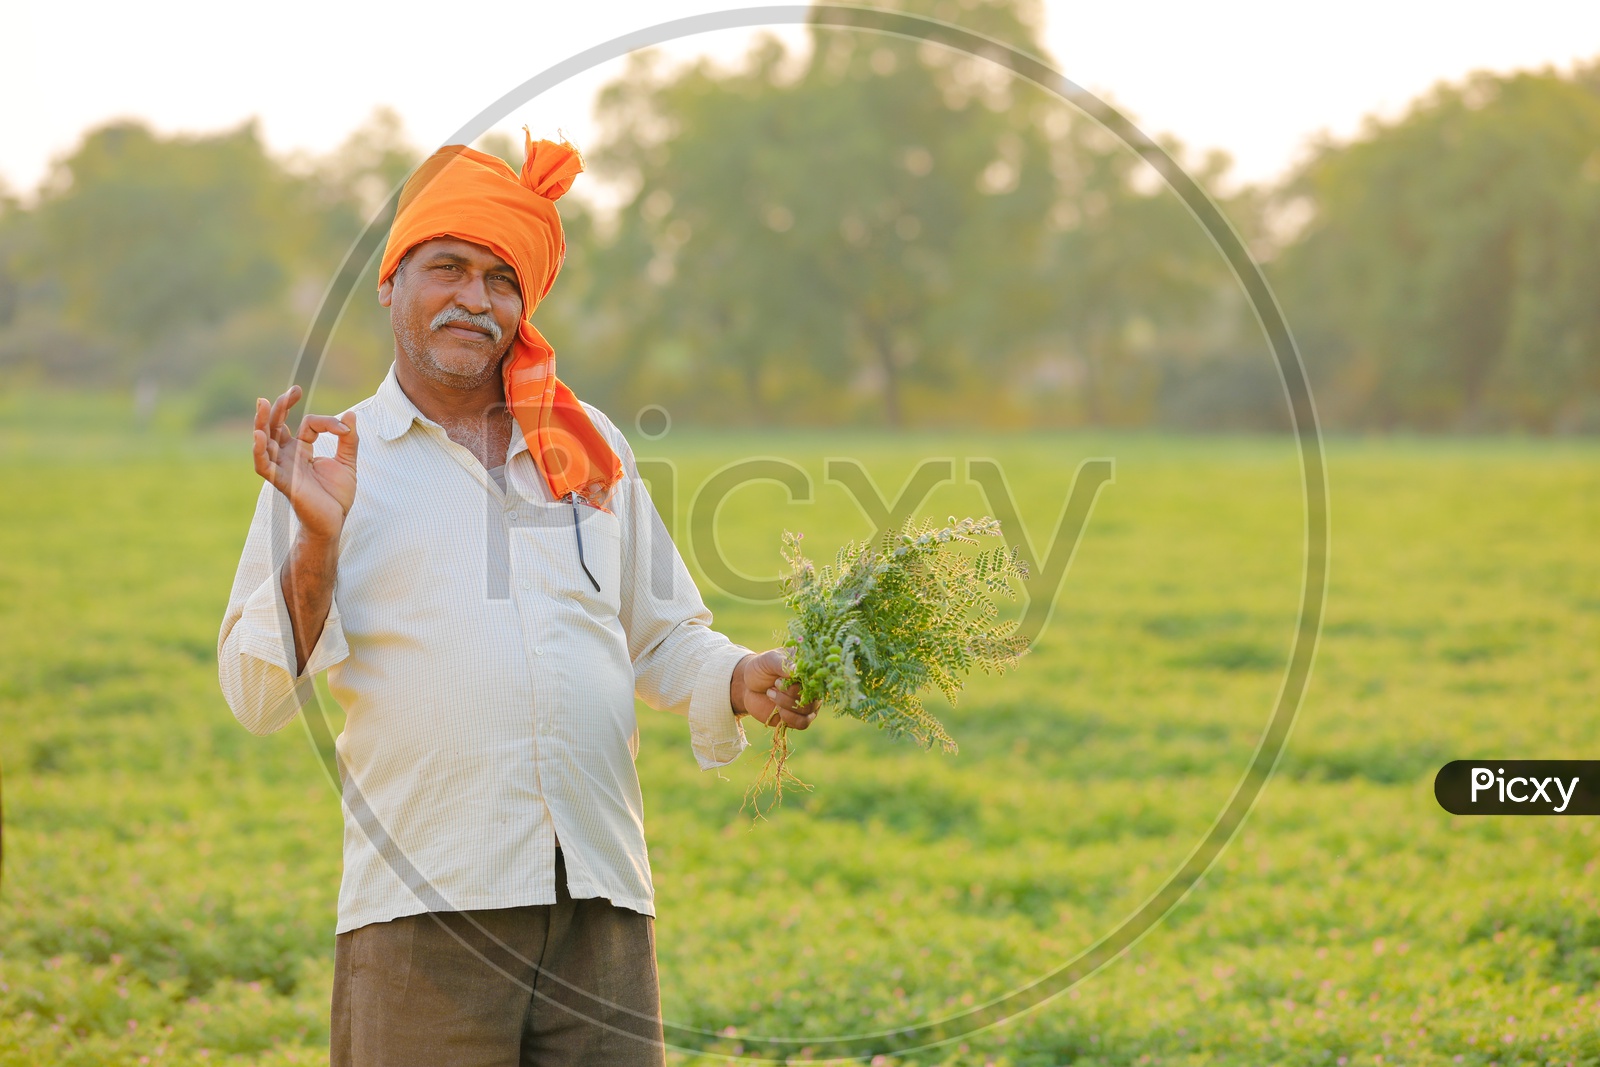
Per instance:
(869,633)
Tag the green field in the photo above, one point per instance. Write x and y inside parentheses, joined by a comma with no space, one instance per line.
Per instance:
(170,880)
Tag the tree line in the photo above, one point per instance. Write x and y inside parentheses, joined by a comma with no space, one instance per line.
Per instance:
(882,232)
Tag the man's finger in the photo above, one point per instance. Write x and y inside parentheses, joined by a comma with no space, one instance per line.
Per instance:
(280,414)
(258,451)
(349,442)
(267,462)
(280,409)
(796,720)
(784,699)
(312,425)
(264,449)
(278,430)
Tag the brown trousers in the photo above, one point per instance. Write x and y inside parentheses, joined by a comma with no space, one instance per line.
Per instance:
(552,985)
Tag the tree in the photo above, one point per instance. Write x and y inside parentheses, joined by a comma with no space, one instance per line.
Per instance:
(1448,271)
(147,237)
(195,258)
(889,225)
(820,234)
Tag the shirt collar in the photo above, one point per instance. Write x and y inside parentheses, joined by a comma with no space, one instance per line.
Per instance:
(396,413)
(394,410)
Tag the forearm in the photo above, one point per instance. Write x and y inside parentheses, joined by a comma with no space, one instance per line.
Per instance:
(308,580)
(255,645)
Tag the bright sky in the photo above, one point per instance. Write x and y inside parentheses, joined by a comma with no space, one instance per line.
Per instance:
(1255,77)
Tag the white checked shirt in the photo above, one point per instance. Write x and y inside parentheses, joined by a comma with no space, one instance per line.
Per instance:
(488,688)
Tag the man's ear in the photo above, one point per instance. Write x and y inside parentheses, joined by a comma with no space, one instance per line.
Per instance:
(386,292)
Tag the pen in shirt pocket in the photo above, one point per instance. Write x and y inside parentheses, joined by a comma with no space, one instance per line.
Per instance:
(577,530)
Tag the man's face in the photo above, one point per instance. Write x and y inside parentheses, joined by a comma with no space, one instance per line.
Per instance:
(455,307)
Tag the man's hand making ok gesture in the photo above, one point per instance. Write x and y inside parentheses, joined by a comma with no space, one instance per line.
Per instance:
(321,489)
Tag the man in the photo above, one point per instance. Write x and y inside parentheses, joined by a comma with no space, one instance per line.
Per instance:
(471,556)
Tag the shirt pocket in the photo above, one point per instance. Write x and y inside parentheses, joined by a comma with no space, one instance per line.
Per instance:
(567,570)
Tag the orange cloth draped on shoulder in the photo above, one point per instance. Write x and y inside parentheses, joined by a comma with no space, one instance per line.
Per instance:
(460,192)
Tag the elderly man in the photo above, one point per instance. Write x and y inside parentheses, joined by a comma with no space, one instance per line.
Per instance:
(488,586)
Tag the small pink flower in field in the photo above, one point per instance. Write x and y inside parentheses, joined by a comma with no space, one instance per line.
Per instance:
(880,1060)
(1378,947)
(133,1024)
(1343,1060)
(729,1031)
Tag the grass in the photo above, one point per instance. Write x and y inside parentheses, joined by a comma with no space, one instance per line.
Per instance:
(170,880)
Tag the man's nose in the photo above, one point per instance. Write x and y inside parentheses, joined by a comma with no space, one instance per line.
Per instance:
(474,294)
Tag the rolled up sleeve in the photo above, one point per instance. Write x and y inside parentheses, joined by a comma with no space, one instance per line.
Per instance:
(715,733)
(255,647)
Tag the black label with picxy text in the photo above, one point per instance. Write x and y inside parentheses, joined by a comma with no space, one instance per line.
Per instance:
(1519,787)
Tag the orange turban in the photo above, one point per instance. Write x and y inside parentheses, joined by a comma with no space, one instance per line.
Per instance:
(459,192)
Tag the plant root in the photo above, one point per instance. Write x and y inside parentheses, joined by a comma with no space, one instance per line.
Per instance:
(774,773)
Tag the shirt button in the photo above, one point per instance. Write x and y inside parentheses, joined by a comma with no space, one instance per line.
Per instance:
(512,515)
(526,584)
(538,650)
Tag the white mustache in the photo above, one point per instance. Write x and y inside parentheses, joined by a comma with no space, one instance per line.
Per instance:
(457,313)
